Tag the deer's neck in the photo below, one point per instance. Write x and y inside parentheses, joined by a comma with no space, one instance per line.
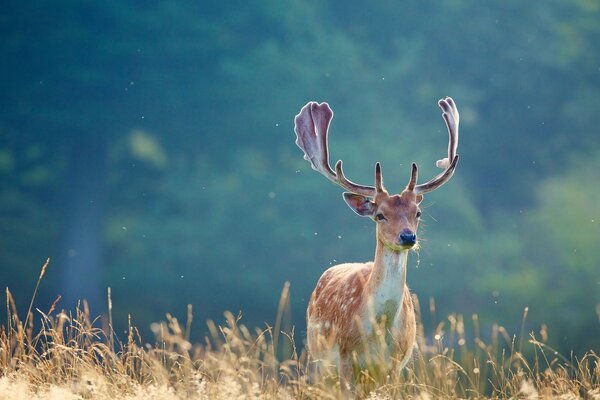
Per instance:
(388,278)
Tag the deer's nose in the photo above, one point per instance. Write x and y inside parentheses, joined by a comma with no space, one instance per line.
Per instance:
(407,237)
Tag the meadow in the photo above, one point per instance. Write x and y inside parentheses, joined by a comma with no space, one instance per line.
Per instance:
(61,354)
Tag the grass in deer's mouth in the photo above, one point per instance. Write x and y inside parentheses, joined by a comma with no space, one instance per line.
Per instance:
(69,356)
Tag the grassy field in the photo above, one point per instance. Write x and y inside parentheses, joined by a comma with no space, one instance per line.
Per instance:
(69,356)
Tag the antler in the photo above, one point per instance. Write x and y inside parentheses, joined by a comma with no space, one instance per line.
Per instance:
(311,126)
(451,117)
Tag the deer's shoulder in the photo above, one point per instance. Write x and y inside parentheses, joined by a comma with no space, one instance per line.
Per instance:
(344,272)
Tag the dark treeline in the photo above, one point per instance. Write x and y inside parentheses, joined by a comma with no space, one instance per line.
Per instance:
(149,147)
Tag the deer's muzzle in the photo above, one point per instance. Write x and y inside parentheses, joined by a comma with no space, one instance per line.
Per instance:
(407,238)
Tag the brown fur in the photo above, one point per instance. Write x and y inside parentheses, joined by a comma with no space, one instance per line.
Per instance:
(342,285)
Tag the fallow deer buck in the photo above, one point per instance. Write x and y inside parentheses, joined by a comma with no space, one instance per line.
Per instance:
(359,308)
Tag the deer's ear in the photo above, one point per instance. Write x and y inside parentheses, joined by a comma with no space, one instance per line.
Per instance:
(360,204)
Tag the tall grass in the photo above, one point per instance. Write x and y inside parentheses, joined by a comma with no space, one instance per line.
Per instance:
(64,355)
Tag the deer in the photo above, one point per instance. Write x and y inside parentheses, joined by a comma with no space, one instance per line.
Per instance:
(360,308)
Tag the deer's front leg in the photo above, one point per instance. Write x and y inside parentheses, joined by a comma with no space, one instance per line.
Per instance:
(345,370)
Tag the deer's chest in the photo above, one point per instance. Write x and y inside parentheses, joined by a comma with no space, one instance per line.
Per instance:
(381,313)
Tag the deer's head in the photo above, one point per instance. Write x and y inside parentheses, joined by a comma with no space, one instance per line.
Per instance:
(397,216)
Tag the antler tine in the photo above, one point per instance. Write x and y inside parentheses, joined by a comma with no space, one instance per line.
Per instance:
(311,126)
(439,180)
(414,173)
(452,118)
(379,179)
(347,184)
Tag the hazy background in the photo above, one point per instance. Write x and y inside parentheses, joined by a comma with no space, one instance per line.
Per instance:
(148,146)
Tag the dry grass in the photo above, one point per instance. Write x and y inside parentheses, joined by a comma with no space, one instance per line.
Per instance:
(69,357)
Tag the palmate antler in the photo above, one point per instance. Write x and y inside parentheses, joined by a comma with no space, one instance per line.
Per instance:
(312,125)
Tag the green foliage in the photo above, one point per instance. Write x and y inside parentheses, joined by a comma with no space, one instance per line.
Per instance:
(562,246)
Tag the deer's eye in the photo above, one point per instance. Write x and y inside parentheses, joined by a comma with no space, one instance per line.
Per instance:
(380,217)
(418,214)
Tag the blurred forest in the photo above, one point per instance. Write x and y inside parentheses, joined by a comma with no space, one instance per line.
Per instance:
(149,147)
